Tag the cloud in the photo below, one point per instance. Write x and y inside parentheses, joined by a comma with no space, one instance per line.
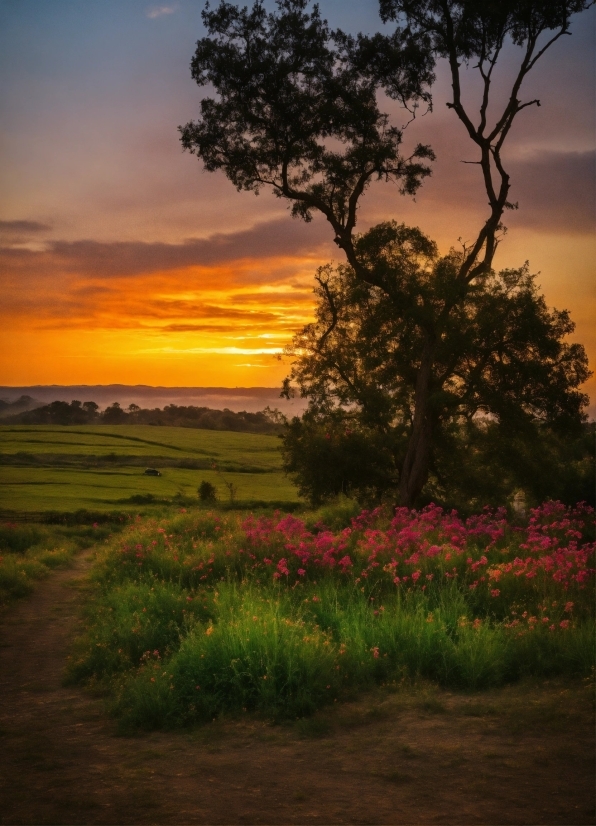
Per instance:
(278,238)
(154,12)
(556,191)
(14,233)
(23,227)
(220,351)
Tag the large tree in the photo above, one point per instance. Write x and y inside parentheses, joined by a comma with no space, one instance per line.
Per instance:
(297,110)
(502,371)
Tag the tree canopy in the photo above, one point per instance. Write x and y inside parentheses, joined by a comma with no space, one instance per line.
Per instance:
(297,109)
(501,364)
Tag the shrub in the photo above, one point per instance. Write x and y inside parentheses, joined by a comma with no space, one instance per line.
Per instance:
(207,492)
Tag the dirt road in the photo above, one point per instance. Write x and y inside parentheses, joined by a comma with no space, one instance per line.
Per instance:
(521,755)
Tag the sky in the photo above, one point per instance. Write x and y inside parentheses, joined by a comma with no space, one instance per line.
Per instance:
(121,260)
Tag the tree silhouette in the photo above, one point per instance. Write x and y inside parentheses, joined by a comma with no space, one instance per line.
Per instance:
(296,109)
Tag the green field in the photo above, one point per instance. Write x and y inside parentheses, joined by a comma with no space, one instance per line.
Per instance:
(48,467)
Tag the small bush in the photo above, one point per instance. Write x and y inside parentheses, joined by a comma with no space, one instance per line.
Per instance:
(17,539)
(207,492)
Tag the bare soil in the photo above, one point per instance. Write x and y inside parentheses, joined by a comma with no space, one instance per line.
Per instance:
(520,755)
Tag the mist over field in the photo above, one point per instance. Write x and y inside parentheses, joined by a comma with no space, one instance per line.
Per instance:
(250,399)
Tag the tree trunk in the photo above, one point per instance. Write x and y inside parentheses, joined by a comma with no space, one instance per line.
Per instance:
(414,470)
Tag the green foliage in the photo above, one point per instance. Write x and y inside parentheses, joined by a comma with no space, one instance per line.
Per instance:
(487,464)
(503,409)
(332,455)
(19,538)
(30,551)
(207,492)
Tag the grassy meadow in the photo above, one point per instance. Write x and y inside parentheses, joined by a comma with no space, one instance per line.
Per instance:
(199,611)
(101,468)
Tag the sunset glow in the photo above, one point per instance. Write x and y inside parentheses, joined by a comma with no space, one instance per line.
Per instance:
(121,261)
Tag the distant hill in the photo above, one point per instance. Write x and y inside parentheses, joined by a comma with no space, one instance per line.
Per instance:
(20,405)
(237,399)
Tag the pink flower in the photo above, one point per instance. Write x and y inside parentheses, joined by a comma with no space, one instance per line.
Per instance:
(375,652)
(282,567)
(564,624)
(301,572)
(495,592)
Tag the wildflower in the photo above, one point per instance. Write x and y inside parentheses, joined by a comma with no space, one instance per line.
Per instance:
(209,631)
(568,607)
(375,652)
(495,592)
(564,624)
(316,599)
(301,572)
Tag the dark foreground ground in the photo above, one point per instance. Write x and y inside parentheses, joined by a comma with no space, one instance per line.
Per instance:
(520,755)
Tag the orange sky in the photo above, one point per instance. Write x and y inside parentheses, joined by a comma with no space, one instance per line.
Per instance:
(120,261)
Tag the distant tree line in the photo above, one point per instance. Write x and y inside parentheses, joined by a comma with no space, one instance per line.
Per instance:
(63,413)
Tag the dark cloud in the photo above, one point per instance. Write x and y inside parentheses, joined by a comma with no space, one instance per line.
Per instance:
(21,232)
(186,309)
(274,297)
(23,227)
(281,237)
(556,191)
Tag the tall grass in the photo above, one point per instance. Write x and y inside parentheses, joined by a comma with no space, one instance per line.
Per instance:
(204,614)
(29,552)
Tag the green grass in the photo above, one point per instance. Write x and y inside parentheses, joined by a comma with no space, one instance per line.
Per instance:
(46,467)
(29,553)
(143,440)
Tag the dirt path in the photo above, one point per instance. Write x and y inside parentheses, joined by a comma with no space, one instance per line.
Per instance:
(516,756)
